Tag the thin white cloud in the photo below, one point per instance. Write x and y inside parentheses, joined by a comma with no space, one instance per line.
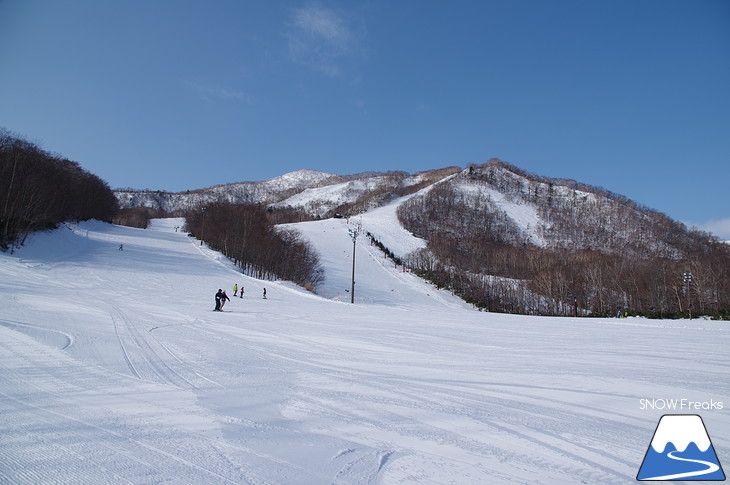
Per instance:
(319,37)
(216,92)
(322,22)
(720,228)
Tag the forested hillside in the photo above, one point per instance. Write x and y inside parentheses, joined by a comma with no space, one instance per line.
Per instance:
(244,233)
(513,241)
(39,190)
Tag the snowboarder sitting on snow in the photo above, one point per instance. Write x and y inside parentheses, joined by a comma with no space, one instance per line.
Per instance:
(224,297)
(218,297)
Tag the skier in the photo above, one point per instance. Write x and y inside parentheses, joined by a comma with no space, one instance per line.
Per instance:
(235,289)
(121,247)
(241,294)
(224,297)
(264,293)
(218,297)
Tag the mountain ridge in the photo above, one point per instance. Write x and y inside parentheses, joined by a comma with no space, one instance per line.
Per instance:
(506,204)
(303,179)
(277,190)
(504,238)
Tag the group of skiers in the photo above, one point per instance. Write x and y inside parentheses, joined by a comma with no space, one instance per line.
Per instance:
(221,298)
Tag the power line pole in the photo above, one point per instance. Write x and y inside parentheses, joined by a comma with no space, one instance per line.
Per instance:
(202,227)
(687,277)
(353,234)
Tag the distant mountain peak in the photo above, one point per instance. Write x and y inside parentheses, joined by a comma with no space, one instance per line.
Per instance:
(303,176)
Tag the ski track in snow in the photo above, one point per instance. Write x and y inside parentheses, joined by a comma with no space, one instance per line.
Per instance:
(114,370)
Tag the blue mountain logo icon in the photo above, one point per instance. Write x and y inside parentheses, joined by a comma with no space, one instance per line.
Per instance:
(680,450)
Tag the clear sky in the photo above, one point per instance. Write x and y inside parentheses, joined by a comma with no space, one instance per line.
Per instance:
(630,95)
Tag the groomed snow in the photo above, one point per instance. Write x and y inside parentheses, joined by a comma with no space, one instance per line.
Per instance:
(115,370)
(383,223)
(377,279)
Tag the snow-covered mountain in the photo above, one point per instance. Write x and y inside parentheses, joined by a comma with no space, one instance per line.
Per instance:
(266,192)
(500,236)
(522,208)
(519,207)
(317,193)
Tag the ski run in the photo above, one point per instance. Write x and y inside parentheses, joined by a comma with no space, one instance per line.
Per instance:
(115,370)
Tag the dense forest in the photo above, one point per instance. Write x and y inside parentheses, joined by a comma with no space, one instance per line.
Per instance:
(39,190)
(591,251)
(246,234)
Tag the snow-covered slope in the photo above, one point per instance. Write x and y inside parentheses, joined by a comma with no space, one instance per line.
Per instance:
(378,280)
(115,370)
(523,214)
(319,200)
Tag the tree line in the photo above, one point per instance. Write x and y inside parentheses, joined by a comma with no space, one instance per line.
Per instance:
(246,234)
(564,282)
(604,254)
(39,190)
(139,217)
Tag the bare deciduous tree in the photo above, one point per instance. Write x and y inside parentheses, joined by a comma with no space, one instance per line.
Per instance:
(39,190)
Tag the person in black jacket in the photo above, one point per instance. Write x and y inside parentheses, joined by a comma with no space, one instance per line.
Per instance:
(224,297)
(218,297)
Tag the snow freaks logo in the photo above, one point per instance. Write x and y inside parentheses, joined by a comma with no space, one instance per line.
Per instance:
(680,405)
(680,450)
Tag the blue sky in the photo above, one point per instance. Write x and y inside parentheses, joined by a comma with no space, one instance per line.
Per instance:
(633,96)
